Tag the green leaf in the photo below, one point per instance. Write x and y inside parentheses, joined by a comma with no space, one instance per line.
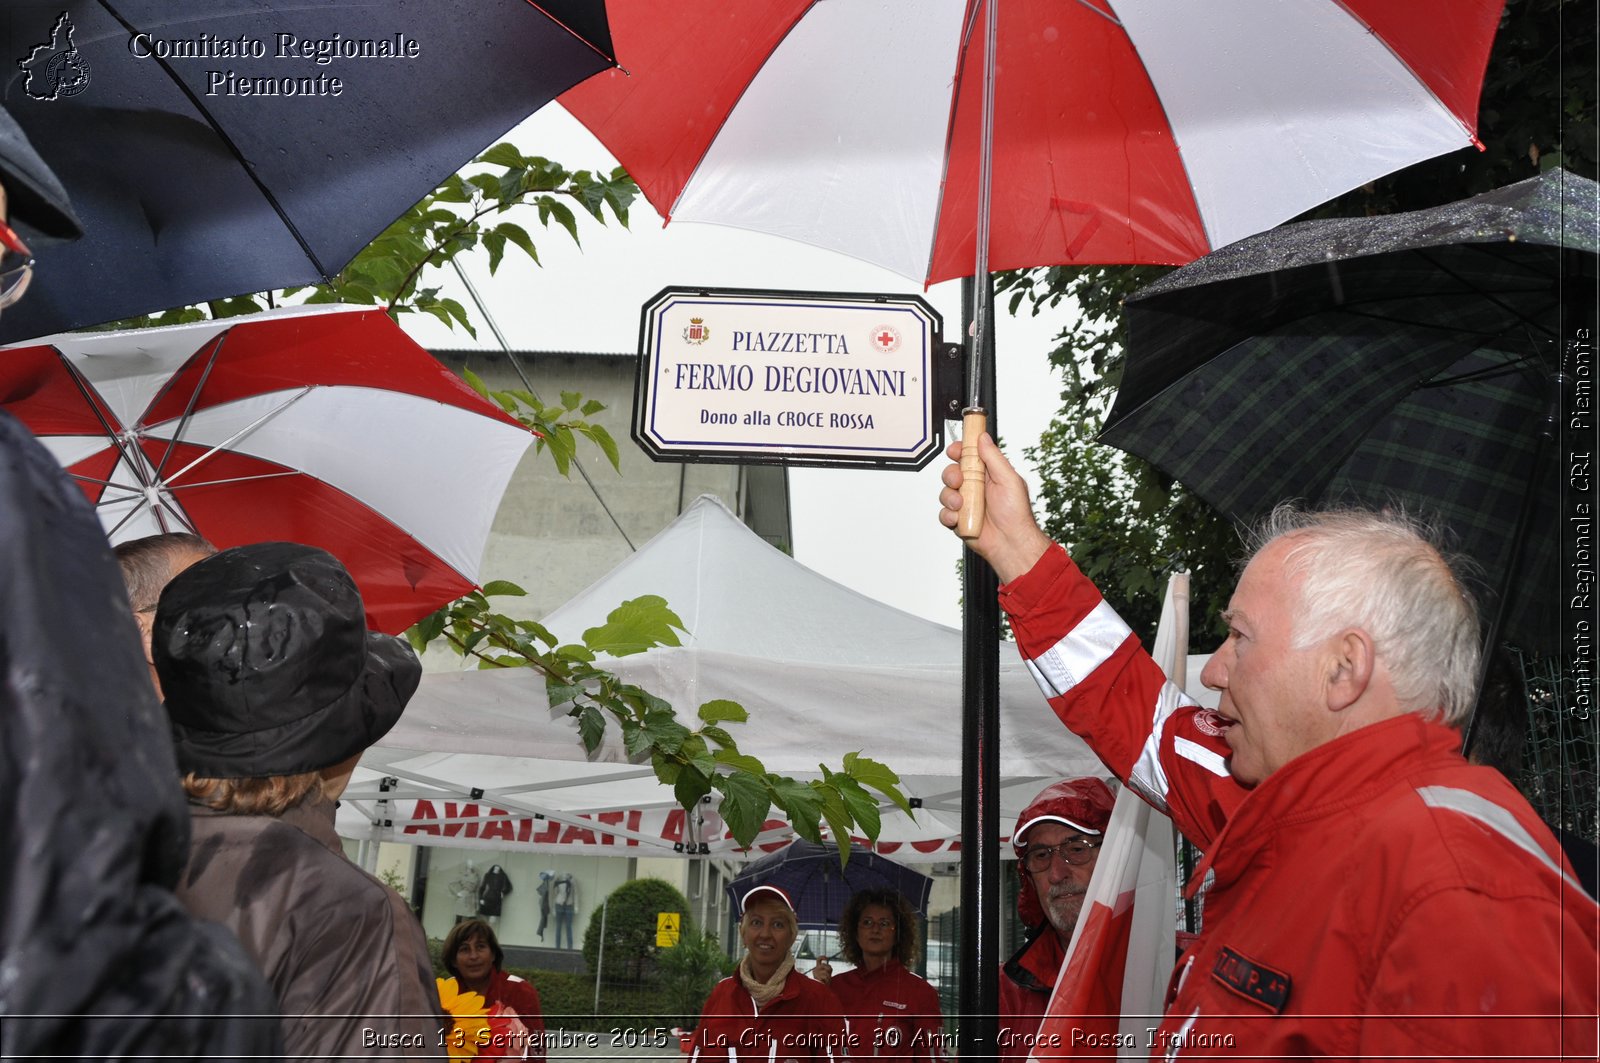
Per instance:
(566,219)
(665,732)
(862,808)
(488,185)
(800,801)
(603,440)
(591,727)
(635,626)
(500,586)
(497,250)
(667,769)
(722,710)
(502,154)
(691,787)
(739,761)
(476,383)
(836,813)
(720,737)
(744,807)
(519,236)
(869,772)
(558,694)
(430,627)
(693,751)
(454,190)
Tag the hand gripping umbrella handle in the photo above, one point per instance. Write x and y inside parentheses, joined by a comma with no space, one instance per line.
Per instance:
(969,522)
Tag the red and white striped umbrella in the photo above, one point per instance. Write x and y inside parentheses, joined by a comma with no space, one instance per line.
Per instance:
(1125,131)
(322,425)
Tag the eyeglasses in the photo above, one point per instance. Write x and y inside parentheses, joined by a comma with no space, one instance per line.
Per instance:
(1078,851)
(16,266)
(881,924)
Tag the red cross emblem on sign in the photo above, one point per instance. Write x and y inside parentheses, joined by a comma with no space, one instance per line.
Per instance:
(885,338)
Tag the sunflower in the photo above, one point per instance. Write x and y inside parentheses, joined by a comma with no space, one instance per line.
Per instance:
(469,1026)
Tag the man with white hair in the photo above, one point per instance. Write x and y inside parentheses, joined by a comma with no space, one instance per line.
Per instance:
(1370,892)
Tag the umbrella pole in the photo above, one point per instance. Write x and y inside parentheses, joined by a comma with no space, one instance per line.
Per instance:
(978,1001)
(969,521)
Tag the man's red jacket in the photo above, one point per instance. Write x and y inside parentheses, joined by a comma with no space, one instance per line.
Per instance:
(1377,896)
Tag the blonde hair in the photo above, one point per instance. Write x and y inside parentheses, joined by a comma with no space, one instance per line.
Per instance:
(271,796)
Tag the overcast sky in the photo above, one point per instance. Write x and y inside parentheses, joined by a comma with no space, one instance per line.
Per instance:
(875,531)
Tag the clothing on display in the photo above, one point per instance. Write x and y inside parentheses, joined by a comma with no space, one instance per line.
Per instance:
(465,890)
(564,894)
(544,900)
(492,892)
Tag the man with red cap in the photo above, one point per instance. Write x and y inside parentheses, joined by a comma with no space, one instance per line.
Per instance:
(1057,841)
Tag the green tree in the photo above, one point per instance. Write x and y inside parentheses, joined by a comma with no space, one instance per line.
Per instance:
(628,940)
(1537,111)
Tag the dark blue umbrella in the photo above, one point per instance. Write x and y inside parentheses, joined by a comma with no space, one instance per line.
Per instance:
(215,147)
(820,888)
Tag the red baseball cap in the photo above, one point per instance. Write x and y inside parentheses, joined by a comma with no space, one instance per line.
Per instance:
(1082,804)
(776,893)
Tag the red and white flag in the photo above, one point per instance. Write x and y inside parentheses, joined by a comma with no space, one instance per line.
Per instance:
(1113,981)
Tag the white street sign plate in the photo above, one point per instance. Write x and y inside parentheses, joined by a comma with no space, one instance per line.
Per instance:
(793,378)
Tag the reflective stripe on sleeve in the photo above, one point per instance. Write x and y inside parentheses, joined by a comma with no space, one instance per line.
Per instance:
(1147,776)
(1208,759)
(1083,649)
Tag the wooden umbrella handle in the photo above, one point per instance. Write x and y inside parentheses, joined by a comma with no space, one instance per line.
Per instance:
(969,522)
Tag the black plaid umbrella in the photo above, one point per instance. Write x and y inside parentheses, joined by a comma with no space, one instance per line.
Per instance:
(1405,359)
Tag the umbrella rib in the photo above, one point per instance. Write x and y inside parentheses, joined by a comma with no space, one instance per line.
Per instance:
(233,149)
(1488,296)
(88,394)
(157,510)
(1390,319)
(586,41)
(1108,16)
(234,480)
(241,433)
(193,399)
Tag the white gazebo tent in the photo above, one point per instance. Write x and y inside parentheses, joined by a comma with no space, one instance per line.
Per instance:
(481,760)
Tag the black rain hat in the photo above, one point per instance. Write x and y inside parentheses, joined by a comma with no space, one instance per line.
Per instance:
(37,200)
(268,667)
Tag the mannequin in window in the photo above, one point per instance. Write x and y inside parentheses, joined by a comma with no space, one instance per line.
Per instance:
(564,895)
(492,892)
(465,890)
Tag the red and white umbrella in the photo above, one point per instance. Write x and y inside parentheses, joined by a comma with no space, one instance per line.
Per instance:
(1125,131)
(322,425)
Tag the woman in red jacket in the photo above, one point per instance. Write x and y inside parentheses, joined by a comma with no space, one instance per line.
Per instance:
(768,1010)
(472,954)
(892,1012)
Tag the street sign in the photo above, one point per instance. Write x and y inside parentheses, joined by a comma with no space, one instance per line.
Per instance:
(788,378)
(667,929)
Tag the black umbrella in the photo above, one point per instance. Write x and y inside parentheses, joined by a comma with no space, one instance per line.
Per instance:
(214,147)
(820,888)
(1409,358)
